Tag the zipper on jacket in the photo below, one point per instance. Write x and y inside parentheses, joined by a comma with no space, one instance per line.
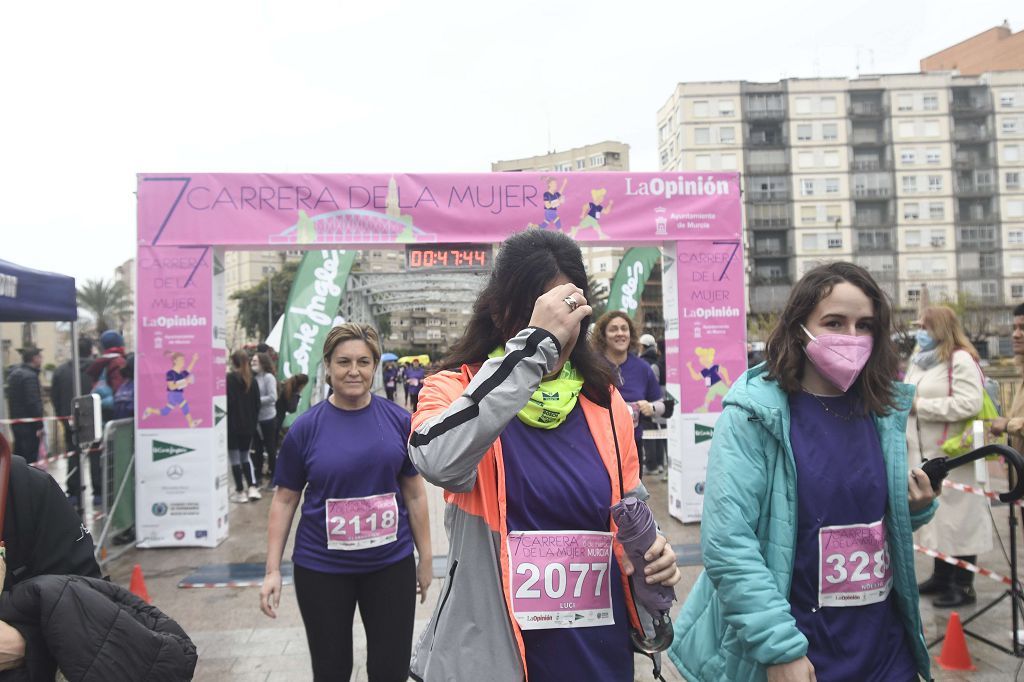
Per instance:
(444,600)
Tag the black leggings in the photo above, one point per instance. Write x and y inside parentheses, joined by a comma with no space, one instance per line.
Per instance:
(387,605)
(265,439)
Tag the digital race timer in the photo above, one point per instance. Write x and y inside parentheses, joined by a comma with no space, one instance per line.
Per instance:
(454,257)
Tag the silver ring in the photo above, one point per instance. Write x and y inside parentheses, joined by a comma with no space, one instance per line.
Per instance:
(571,302)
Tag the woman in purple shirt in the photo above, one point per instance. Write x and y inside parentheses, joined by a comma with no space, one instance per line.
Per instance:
(363,509)
(616,339)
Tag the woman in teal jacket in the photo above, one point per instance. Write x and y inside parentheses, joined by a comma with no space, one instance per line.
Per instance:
(809,507)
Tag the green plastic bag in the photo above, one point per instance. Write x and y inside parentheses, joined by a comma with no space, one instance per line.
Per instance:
(963,442)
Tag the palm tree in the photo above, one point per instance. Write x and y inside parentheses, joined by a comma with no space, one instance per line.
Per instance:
(106,300)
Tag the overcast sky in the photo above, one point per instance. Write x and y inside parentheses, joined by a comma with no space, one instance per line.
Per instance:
(93,93)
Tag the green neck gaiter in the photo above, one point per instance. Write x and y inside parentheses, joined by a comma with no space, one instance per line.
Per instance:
(553,400)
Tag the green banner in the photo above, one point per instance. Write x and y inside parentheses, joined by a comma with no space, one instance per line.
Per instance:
(309,315)
(630,278)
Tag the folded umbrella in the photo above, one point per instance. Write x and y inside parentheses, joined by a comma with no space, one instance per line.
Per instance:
(637,532)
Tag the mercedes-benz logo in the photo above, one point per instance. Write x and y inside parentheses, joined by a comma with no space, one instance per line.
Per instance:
(175,471)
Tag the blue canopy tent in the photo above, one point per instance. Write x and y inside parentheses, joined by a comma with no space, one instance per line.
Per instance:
(28,295)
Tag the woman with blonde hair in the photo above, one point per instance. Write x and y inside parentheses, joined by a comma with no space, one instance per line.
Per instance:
(949,392)
(363,508)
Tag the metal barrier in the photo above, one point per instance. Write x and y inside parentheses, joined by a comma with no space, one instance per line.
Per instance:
(117,462)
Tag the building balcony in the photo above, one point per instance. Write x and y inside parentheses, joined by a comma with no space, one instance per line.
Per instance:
(766,114)
(874,221)
(872,192)
(766,250)
(768,223)
(974,189)
(970,107)
(867,110)
(971,134)
(971,162)
(976,242)
(991,218)
(869,165)
(767,168)
(875,241)
(867,138)
(768,298)
(979,273)
(769,196)
(761,142)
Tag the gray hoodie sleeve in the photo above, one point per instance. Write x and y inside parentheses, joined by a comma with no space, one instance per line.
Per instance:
(447,446)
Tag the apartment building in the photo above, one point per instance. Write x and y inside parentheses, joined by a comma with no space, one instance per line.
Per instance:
(917,177)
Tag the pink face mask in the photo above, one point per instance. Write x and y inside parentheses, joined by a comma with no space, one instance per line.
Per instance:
(839,358)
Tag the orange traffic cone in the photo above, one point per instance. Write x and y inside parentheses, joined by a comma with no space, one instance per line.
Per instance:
(138,586)
(955,655)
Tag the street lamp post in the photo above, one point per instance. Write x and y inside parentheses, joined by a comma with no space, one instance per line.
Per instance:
(268,271)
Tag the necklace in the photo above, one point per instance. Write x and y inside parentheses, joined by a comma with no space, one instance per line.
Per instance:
(845,417)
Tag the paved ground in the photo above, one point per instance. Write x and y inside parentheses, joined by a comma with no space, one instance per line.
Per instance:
(237,643)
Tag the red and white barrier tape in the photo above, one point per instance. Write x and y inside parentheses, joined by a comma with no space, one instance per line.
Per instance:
(42,463)
(960,563)
(31,420)
(976,491)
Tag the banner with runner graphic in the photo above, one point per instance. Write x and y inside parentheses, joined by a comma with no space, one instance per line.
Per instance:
(312,306)
(631,278)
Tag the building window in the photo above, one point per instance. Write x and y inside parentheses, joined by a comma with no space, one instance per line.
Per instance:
(909,184)
(913,295)
(930,102)
(906,129)
(911,211)
(1015,209)
(831,159)
(727,134)
(1017,291)
(1006,99)
(1013,180)
(1011,153)
(831,185)
(912,238)
(905,103)
(1016,264)
(803,105)
(564,167)
(934,183)
(702,135)
(663,133)
(936,211)
(700,109)
(938,239)
(808,214)
(729,162)
(1009,126)
(703,161)
(828,105)
(664,158)
(931,128)
(829,132)
(807,188)
(581,164)
(597,160)
(725,107)
(809,242)
(835,242)
(1015,237)
(908,156)
(934,156)
(833,214)
(806,159)
(803,132)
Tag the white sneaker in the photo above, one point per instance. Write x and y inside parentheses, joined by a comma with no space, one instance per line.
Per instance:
(240,498)
(254,493)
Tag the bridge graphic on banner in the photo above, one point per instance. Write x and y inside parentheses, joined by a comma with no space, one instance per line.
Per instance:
(353,226)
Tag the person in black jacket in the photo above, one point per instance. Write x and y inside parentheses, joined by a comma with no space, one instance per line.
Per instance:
(62,394)
(25,399)
(243,416)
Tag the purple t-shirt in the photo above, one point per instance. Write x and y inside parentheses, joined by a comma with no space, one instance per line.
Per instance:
(333,453)
(555,480)
(841,480)
(638,383)
(176,377)
(414,379)
(712,374)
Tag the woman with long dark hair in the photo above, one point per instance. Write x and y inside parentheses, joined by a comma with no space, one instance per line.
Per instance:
(265,438)
(243,398)
(809,505)
(524,429)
